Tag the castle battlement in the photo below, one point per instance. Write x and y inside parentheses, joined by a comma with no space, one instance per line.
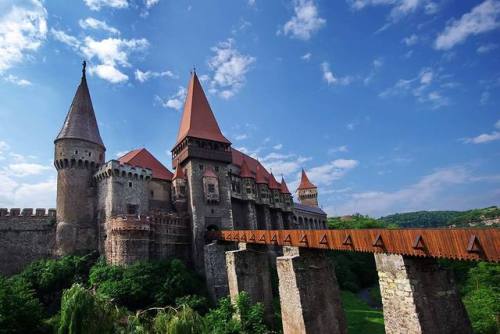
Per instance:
(114,168)
(27,212)
(129,223)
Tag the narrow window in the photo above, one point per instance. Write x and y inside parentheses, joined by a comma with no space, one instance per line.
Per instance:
(130,184)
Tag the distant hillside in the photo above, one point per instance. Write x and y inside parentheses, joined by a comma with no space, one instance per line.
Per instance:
(475,217)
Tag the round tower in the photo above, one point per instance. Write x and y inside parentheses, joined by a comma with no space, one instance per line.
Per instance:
(79,151)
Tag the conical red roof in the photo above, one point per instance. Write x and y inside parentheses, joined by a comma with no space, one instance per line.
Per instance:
(284,187)
(245,170)
(198,120)
(304,182)
(142,158)
(273,184)
(80,122)
(179,173)
(260,176)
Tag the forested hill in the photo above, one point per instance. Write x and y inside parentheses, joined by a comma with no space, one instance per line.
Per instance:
(475,217)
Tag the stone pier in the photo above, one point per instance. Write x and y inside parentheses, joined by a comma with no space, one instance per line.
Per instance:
(248,270)
(309,293)
(215,269)
(419,297)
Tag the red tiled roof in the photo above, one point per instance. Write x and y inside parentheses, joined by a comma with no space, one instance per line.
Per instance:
(198,120)
(179,173)
(245,170)
(284,187)
(304,182)
(256,168)
(209,172)
(142,158)
(273,184)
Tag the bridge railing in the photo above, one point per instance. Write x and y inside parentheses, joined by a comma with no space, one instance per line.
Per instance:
(450,243)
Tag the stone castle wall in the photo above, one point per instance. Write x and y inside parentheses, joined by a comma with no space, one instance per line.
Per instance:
(25,236)
(139,238)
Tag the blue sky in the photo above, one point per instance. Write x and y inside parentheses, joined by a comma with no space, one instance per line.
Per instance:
(390,105)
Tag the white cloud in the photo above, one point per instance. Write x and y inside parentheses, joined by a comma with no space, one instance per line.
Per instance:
(342,149)
(331,79)
(486,48)
(22,31)
(229,69)
(98,4)
(17,81)
(480,19)
(376,65)
(484,137)
(109,73)
(241,136)
(425,194)
(329,172)
(151,3)
(485,97)
(27,195)
(145,76)
(399,8)
(92,23)
(307,56)
(25,169)
(278,146)
(175,101)
(410,40)
(283,164)
(65,38)
(305,22)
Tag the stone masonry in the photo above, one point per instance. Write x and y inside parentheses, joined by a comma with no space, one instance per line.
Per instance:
(419,297)
(309,293)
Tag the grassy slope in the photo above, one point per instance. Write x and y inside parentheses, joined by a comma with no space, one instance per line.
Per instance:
(361,318)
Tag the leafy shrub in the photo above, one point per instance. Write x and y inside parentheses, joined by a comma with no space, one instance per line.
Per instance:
(182,321)
(144,284)
(83,312)
(20,310)
(197,303)
(49,277)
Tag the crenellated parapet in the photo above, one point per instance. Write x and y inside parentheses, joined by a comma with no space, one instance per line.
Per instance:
(28,212)
(114,168)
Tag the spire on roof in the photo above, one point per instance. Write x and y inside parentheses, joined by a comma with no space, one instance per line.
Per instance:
(273,184)
(198,120)
(304,182)
(284,187)
(260,176)
(80,122)
(245,170)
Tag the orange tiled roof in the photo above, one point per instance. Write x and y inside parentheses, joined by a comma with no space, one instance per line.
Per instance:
(179,173)
(245,170)
(142,158)
(198,120)
(284,187)
(273,184)
(304,182)
(256,168)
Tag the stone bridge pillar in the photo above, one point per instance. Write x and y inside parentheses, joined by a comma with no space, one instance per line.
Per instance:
(309,293)
(248,270)
(419,297)
(215,269)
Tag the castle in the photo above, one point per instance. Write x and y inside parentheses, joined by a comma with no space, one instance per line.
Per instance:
(134,208)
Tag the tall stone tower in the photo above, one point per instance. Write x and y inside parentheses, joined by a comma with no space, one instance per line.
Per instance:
(79,151)
(204,154)
(307,191)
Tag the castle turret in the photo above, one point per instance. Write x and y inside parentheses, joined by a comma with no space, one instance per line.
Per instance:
(204,154)
(79,151)
(307,191)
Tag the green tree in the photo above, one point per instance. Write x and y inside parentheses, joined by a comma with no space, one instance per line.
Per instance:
(83,312)
(20,310)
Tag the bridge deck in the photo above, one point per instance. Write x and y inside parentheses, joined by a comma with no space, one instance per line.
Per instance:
(449,243)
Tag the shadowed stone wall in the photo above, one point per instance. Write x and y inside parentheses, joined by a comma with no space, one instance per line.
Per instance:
(419,297)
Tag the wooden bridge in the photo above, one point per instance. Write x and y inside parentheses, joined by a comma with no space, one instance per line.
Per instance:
(446,243)
(418,294)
